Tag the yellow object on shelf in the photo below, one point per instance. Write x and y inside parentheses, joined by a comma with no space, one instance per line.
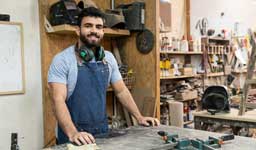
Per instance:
(161,65)
(167,64)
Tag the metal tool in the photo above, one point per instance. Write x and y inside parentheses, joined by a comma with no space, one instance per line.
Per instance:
(145,41)
(198,144)
(14,141)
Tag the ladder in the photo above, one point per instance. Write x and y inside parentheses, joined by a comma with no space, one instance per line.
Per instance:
(249,81)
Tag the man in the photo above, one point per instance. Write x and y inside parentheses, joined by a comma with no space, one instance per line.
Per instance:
(78,79)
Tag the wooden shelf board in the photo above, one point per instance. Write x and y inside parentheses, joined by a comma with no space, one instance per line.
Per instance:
(215,74)
(218,39)
(186,100)
(165,31)
(179,77)
(242,71)
(188,122)
(249,116)
(181,53)
(68,29)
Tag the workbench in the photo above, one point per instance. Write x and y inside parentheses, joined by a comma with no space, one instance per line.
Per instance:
(231,119)
(146,138)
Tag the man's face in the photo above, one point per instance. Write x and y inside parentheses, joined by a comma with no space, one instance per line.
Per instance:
(91,31)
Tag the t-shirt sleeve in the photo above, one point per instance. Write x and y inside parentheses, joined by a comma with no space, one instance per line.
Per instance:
(115,74)
(58,71)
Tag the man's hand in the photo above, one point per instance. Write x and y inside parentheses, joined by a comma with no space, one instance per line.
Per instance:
(148,121)
(81,138)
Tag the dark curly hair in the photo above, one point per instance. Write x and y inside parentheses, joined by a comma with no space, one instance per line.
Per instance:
(91,12)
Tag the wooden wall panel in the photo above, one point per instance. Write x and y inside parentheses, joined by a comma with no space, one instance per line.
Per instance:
(146,66)
(50,46)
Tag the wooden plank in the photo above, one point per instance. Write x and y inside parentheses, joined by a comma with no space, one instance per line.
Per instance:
(179,77)
(181,53)
(149,106)
(249,116)
(116,52)
(215,74)
(188,122)
(176,113)
(250,105)
(250,81)
(68,29)
(187,12)
(157,59)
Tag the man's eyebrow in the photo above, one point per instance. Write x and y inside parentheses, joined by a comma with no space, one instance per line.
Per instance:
(87,24)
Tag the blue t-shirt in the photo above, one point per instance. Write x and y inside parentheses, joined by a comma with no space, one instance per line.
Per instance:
(63,69)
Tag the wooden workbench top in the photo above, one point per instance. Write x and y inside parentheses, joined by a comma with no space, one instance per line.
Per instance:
(146,138)
(249,116)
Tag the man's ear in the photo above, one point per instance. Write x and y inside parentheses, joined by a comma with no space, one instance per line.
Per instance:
(77,30)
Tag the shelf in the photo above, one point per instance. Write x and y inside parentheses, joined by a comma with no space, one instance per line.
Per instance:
(186,100)
(211,40)
(165,31)
(68,29)
(188,122)
(215,74)
(218,39)
(242,71)
(181,53)
(179,77)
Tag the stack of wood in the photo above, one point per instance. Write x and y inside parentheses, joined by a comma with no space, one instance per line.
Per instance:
(181,90)
(252,96)
(252,99)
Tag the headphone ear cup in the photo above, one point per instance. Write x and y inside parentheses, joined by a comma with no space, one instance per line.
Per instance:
(100,54)
(86,55)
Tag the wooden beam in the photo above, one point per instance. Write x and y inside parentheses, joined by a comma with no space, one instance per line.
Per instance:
(187,12)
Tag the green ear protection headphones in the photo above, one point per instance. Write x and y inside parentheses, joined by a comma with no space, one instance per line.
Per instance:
(87,54)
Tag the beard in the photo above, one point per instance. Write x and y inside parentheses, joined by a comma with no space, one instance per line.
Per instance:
(87,42)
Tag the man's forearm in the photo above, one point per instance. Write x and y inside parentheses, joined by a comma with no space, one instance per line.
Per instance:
(64,118)
(127,101)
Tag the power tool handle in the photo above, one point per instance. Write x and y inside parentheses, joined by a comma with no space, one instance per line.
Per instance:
(227,137)
(162,133)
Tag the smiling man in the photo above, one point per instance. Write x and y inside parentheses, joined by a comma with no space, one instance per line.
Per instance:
(78,79)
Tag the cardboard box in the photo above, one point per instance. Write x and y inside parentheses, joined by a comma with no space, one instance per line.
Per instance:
(186,71)
(227,69)
(187,95)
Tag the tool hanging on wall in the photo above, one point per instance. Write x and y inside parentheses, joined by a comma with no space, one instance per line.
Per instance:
(145,41)
(14,141)
(4,17)
(134,14)
(86,3)
(114,19)
(202,25)
(64,12)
